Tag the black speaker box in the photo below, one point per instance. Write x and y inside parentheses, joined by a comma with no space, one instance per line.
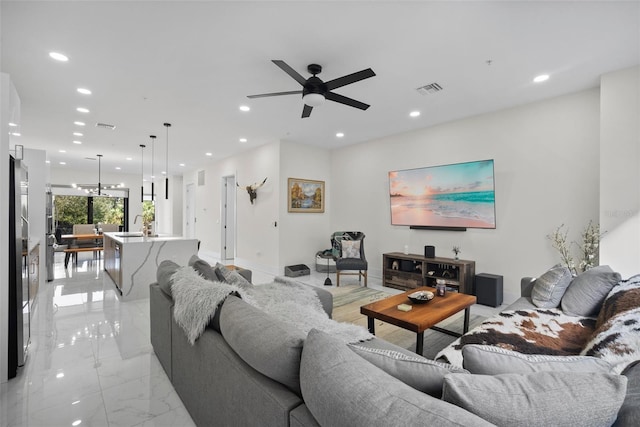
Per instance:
(488,289)
(429,251)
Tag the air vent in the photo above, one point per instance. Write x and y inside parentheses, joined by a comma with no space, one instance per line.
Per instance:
(200,177)
(105,126)
(429,89)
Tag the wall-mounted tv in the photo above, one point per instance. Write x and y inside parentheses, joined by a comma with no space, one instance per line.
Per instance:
(456,196)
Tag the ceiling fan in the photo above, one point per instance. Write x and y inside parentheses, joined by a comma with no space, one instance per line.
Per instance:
(315,91)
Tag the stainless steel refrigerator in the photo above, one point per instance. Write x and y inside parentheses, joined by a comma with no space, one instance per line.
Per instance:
(19,317)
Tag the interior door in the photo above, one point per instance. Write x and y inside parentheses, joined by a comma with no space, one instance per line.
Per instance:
(190,209)
(228,218)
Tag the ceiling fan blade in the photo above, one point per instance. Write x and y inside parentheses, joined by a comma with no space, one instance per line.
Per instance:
(306,111)
(264,95)
(346,101)
(287,69)
(351,78)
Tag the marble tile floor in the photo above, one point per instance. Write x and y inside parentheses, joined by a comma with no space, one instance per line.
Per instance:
(90,359)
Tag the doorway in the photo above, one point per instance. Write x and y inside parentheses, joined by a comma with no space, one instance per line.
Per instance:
(228,218)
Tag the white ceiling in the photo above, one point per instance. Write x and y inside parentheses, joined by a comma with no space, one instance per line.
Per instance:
(193,64)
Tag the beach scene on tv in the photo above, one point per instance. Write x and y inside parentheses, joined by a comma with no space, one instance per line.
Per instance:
(456,195)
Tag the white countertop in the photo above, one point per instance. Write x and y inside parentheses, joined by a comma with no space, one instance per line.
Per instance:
(137,237)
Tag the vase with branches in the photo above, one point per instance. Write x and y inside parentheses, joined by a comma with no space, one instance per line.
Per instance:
(456,250)
(588,248)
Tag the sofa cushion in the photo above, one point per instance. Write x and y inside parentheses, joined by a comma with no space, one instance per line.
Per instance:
(164,275)
(491,360)
(342,389)
(629,413)
(203,268)
(588,290)
(420,373)
(267,344)
(540,398)
(549,288)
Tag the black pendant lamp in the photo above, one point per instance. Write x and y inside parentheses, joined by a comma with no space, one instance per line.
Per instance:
(99,172)
(166,168)
(142,172)
(153,178)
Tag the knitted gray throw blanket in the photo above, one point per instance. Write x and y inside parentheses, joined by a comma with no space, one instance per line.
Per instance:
(196,300)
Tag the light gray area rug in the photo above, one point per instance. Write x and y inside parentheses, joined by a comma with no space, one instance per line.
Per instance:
(347,301)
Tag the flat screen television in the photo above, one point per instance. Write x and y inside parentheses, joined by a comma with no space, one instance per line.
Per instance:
(456,196)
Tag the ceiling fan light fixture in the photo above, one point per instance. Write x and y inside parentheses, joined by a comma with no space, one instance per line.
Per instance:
(313,99)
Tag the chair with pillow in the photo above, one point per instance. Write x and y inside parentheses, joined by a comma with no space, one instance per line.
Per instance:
(348,252)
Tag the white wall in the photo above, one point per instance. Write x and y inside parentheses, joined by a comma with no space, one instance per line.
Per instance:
(620,170)
(35,160)
(303,234)
(546,174)
(256,237)
(9,112)
(169,211)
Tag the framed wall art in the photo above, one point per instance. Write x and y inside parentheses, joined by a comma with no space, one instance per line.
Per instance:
(305,195)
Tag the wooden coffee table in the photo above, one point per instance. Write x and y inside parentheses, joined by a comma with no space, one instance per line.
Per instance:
(422,316)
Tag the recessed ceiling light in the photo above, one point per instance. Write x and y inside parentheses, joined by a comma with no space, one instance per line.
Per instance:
(182,164)
(77,142)
(63,163)
(16,134)
(129,158)
(339,134)
(84,91)
(82,110)
(414,113)
(78,123)
(62,151)
(208,154)
(245,108)
(11,124)
(58,56)
(77,134)
(118,168)
(243,139)
(541,78)
(47,161)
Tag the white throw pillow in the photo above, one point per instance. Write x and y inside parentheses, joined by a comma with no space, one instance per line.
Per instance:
(351,249)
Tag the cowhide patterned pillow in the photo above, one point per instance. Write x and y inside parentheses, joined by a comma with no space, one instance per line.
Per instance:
(617,335)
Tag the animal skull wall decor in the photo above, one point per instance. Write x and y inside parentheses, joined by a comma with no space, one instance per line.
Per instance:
(252,189)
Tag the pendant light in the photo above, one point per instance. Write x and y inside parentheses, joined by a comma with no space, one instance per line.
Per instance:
(142,172)
(153,178)
(99,172)
(166,167)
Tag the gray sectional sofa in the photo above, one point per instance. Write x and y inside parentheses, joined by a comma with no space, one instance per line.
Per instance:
(249,368)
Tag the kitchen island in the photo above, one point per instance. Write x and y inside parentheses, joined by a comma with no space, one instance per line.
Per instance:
(131,260)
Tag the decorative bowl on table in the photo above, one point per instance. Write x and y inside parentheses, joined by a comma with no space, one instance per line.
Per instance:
(421,297)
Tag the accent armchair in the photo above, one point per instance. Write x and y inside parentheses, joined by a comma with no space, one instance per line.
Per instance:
(348,252)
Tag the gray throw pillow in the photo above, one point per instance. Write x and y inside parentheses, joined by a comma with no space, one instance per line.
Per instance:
(420,373)
(203,268)
(587,291)
(164,273)
(549,288)
(491,360)
(342,389)
(541,398)
(267,344)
